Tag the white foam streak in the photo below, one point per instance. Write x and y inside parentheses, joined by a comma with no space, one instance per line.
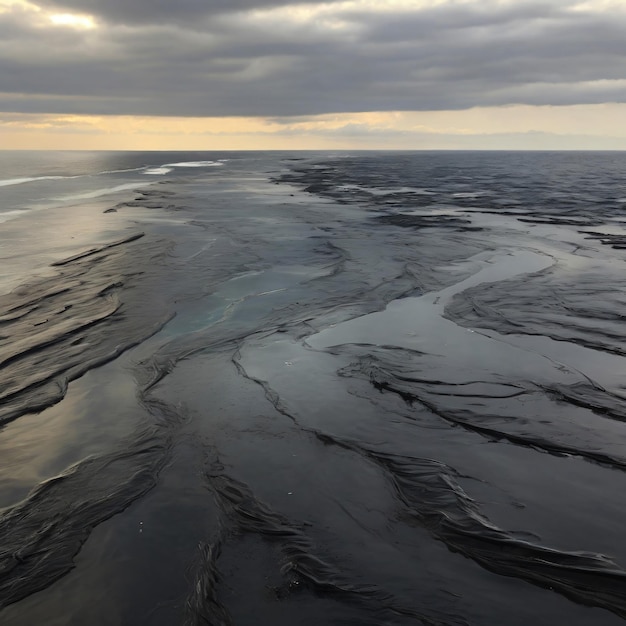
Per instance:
(195,164)
(104,192)
(130,169)
(20,181)
(5,216)
(168,167)
(377,191)
(155,171)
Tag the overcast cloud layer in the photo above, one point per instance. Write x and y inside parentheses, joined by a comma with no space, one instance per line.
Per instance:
(274,58)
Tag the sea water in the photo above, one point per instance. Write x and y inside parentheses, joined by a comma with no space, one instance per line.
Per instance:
(312,388)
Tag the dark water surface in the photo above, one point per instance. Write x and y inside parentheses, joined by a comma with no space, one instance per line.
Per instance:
(307,388)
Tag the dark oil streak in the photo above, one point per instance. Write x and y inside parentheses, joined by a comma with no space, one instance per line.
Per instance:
(435,500)
(92,251)
(301,567)
(432,497)
(203,606)
(41,536)
(70,323)
(459,418)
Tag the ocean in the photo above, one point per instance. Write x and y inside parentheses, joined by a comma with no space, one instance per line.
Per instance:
(367,388)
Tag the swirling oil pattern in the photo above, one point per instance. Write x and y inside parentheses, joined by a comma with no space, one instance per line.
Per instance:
(313,389)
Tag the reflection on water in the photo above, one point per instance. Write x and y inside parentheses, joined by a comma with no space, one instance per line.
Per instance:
(38,446)
(375,390)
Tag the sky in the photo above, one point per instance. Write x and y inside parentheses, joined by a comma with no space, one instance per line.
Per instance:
(292,74)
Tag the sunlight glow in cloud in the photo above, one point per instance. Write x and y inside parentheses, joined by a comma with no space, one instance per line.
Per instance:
(600,5)
(74,21)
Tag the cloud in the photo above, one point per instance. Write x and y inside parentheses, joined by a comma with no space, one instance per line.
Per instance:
(161,11)
(273,58)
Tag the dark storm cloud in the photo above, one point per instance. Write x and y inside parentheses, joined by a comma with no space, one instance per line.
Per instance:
(345,60)
(161,11)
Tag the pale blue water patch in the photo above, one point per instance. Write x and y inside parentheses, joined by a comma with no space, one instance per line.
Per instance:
(243,298)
